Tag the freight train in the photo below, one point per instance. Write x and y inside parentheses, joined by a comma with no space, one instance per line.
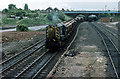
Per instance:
(56,34)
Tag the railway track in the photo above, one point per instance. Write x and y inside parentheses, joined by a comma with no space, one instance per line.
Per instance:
(115,34)
(7,64)
(37,66)
(112,50)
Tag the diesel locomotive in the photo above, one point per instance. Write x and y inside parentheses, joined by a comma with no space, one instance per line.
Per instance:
(56,34)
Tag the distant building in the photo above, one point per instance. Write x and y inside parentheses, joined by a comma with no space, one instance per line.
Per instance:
(119,6)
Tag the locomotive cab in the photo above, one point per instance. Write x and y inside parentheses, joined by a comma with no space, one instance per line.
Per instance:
(55,34)
(52,36)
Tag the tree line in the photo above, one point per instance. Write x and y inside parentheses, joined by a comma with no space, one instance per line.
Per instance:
(26,8)
(13,12)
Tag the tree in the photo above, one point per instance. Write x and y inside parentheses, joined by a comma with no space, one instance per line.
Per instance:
(26,7)
(16,12)
(20,13)
(63,9)
(11,6)
(56,9)
(49,9)
(5,10)
(68,10)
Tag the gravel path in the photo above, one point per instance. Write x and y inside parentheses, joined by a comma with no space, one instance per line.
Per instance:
(90,59)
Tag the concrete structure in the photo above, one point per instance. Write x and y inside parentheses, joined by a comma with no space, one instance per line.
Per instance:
(119,6)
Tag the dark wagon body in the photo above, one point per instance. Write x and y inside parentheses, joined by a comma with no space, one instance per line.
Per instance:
(92,18)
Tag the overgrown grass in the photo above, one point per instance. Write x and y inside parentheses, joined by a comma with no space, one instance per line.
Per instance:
(42,19)
(34,21)
(9,21)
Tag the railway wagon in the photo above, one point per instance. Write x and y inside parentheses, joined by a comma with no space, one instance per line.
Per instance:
(69,25)
(56,34)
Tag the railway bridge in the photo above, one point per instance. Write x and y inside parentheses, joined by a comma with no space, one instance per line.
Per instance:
(87,13)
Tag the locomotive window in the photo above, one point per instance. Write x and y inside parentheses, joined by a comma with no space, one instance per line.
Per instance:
(63,30)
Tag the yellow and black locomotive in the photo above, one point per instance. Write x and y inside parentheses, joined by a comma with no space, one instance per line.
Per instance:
(54,35)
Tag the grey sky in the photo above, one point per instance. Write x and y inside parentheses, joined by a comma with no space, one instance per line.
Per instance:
(70,4)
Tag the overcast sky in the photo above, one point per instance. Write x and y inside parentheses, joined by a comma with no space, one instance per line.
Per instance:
(67,4)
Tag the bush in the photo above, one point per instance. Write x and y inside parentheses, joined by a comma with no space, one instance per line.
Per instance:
(22,27)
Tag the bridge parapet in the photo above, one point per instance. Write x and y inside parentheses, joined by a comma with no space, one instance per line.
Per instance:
(93,12)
